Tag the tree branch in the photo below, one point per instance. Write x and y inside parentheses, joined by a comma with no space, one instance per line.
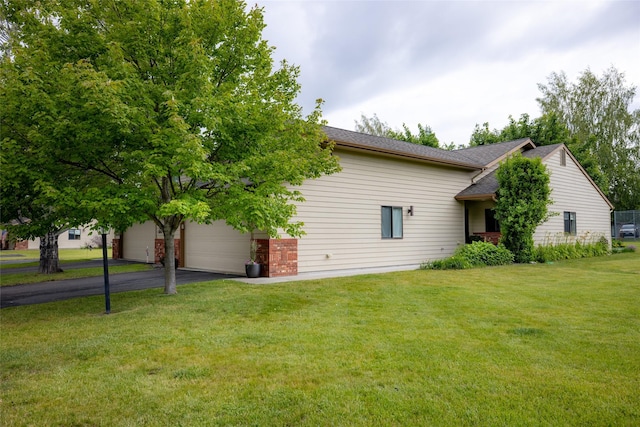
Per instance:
(80,166)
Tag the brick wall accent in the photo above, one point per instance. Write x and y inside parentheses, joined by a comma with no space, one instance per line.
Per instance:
(493,237)
(22,245)
(116,248)
(279,257)
(159,251)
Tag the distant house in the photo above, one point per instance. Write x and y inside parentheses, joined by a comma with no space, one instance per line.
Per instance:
(73,238)
(393,204)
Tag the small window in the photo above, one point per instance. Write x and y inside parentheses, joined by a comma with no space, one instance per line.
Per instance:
(570,223)
(563,158)
(490,222)
(74,234)
(391,222)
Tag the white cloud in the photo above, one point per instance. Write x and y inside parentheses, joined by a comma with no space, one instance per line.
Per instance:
(447,64)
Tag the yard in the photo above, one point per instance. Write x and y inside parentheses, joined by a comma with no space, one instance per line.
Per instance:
(30,257)
(545,344)
(65,255)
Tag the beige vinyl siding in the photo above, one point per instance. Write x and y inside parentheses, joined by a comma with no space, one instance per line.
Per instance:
(139,241)
(342,214)
(215,247)
(572,191)
(87,237)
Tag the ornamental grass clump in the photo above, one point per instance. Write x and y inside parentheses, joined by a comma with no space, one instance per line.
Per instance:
(585,246)
(476,254)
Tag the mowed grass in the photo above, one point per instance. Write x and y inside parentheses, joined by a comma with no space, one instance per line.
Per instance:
(8,278)
(554,344)
(65,255)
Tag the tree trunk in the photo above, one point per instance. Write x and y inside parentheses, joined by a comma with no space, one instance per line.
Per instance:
(49,262)
(169,262)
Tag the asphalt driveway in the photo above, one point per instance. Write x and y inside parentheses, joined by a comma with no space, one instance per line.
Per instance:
(38,293)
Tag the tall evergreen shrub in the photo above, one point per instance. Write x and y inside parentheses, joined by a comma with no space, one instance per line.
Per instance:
(523,198)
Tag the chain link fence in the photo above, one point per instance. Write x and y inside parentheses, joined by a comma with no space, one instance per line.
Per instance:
(622,218)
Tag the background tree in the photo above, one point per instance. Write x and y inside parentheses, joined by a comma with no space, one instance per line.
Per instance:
(425,136)
(604,130)
(38,197)
(547,129)
(484,136)
(523,198)
(374,126)
(31,206)
(169,111)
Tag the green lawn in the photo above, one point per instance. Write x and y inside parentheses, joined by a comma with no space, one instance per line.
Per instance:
(7,278)
(65,255)
(553,344)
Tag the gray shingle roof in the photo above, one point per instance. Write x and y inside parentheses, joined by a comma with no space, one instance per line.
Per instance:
(542,151)
(400,148)
(473,158)
(488,185)
(485,188)
(487,154)
(469,158)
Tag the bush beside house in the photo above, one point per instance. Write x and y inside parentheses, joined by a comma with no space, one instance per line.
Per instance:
(481,254)
(476,254)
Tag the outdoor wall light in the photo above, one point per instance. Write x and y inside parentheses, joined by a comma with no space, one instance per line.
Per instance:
(410,211)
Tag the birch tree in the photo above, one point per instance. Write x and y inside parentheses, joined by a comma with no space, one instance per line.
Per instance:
(604,129)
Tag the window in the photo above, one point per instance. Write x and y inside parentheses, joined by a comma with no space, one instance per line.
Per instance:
(74,234)
(490,222)
(563,158)
(391,222)
(570,223)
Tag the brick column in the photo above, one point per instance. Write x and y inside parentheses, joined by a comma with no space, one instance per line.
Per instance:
(159,251)
(116,248)
(279,257)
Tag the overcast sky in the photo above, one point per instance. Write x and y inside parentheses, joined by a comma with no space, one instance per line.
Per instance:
(447,64)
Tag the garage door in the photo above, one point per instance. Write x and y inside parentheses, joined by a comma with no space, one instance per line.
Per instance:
(137,240)
(215,247)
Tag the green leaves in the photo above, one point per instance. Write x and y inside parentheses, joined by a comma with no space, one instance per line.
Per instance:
(604,130)
(374,126)
(547,129)
(523,197)
(163,110)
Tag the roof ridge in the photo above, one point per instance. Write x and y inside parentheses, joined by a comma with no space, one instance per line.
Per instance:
(486,146)
(395,146)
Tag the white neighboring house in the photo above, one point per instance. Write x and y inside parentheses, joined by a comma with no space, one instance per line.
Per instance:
(74,238)
(394,204)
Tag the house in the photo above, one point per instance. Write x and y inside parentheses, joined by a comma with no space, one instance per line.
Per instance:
(73,238)
(581,209)
(393,204)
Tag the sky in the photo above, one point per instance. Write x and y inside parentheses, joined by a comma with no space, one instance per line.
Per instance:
(446,64)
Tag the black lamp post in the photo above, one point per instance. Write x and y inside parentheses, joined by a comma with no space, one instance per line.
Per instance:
(105,264)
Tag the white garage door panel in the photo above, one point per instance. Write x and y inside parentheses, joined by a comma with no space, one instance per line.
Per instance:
(136,241)
(215,247)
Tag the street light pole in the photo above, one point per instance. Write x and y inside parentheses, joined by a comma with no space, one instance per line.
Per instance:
(105,263)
